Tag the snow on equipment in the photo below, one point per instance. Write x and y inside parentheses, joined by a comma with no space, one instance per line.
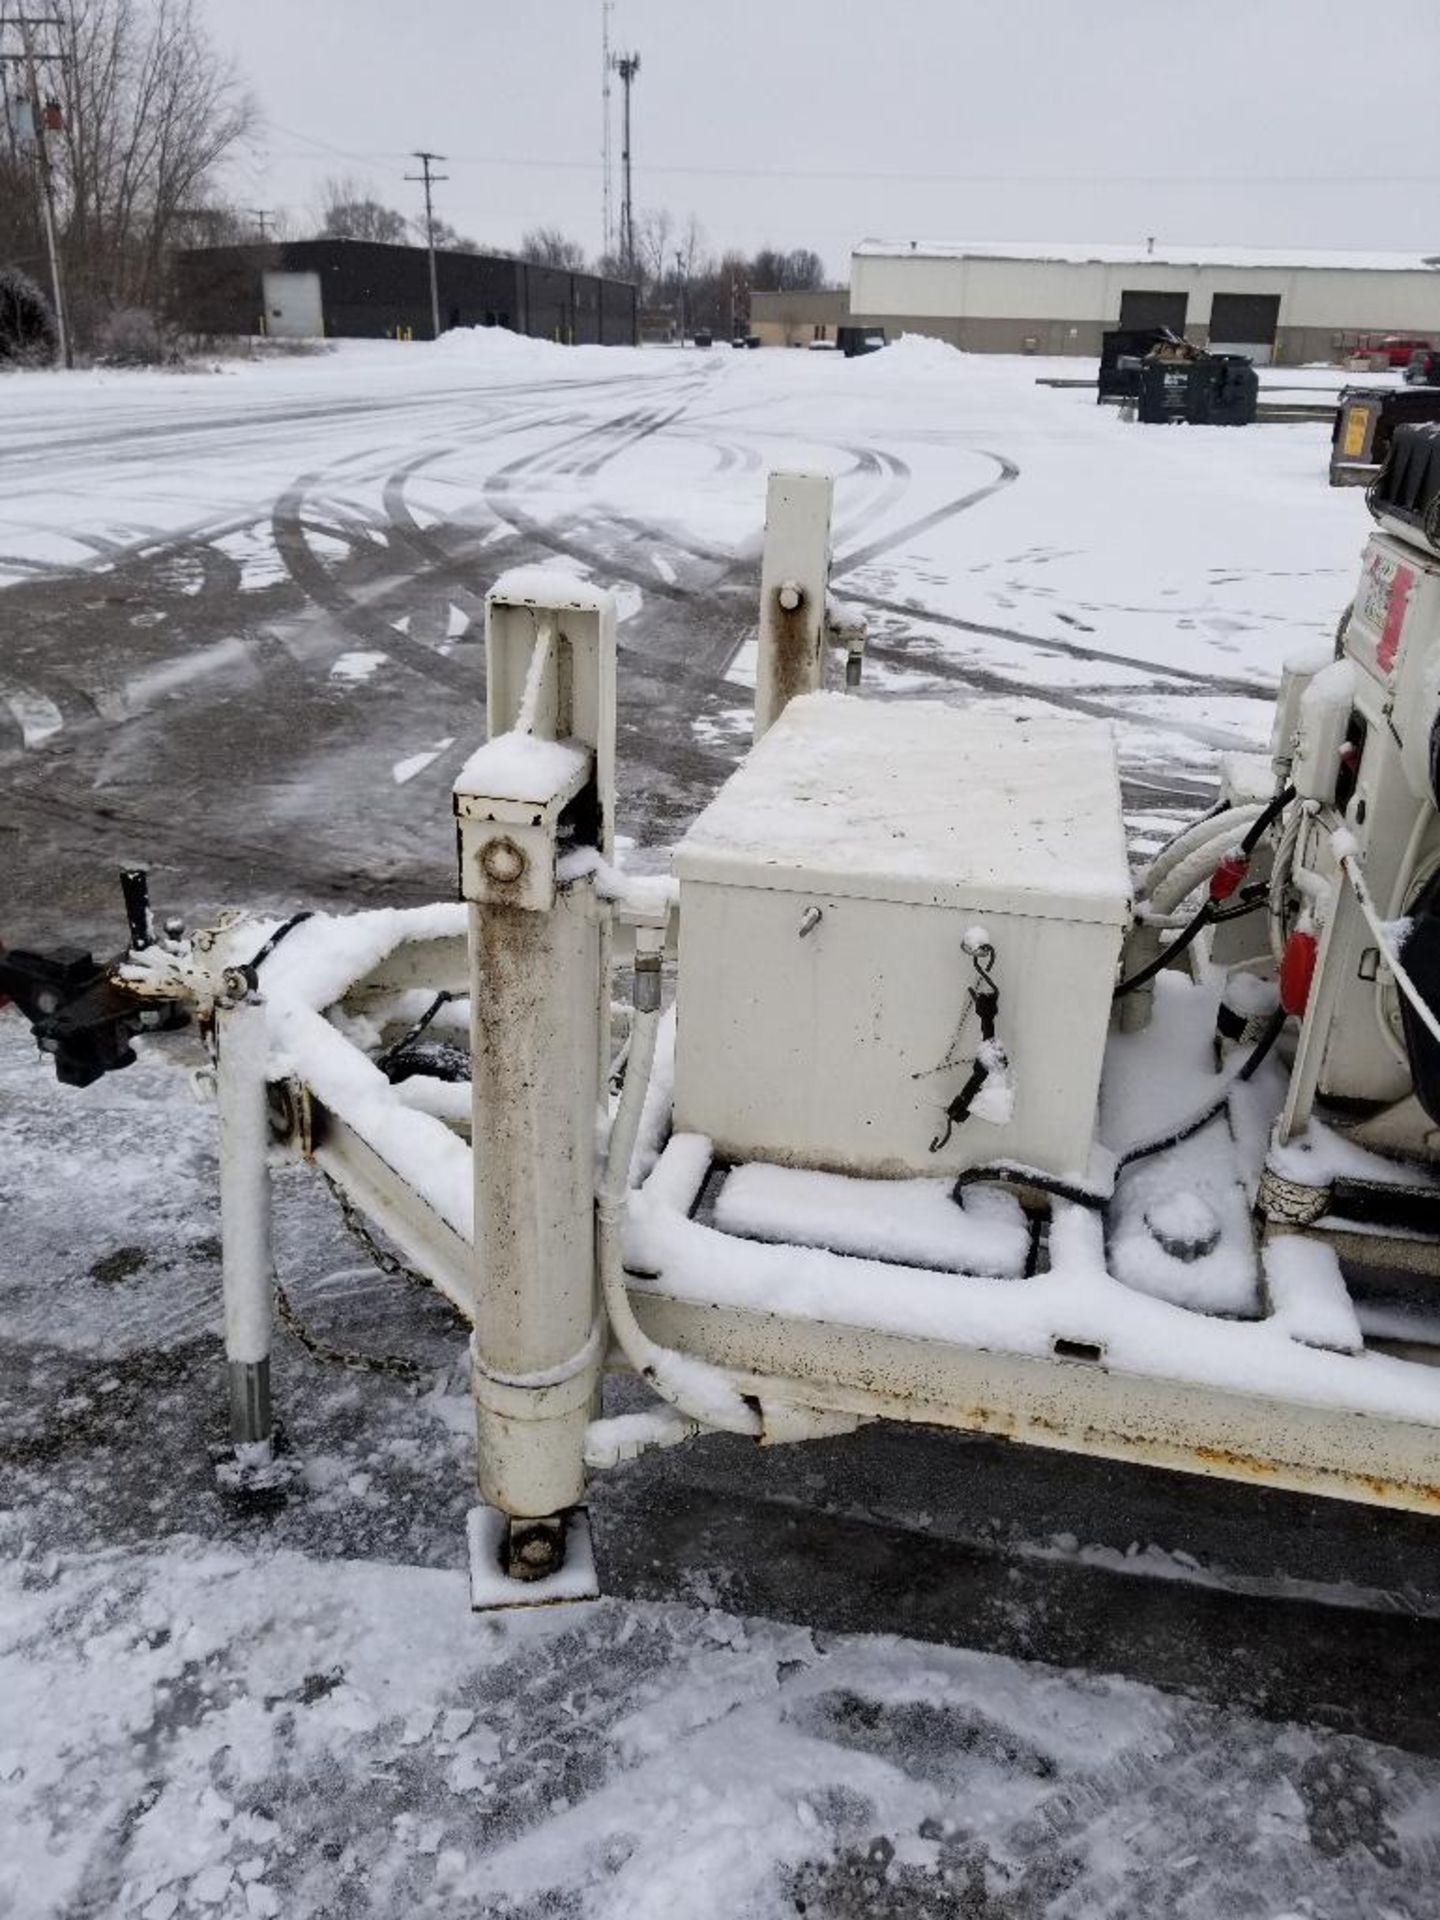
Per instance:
(944,1120)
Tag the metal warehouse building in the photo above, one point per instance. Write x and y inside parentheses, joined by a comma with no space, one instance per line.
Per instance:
(1059,299)
(360,290)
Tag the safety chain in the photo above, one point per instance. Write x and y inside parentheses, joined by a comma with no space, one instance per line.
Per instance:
(386,1363)
(386,1261)
(391,1365)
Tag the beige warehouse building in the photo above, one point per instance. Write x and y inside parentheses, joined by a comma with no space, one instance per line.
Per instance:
(1275,306)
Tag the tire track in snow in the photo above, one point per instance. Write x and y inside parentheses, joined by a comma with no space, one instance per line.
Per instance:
(1069,649)
(363,621)
(861,556)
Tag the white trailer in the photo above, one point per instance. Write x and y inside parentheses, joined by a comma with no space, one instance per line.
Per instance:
(955,1131)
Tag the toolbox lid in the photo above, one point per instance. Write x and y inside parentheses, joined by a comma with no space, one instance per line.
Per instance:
(913,801)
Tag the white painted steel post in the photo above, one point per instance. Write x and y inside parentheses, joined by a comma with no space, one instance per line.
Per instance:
(538,987)
(794,582)
(537,1343)
(246,1252)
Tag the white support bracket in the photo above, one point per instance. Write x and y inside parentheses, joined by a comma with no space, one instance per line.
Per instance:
(794,585)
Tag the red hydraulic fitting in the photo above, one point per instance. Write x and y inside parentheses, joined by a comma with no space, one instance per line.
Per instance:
(1228,875)
(1297,971)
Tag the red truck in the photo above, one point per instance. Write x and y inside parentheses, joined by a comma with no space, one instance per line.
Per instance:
(1395,349)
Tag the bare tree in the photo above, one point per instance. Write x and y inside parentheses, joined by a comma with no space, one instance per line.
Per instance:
(446,237)
(653,230)
(549,247)
(799,271)
(148,112)
(350,211)
(22,237)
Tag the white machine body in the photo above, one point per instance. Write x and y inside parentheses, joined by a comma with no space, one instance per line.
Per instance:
(1378,705)
(825,1017)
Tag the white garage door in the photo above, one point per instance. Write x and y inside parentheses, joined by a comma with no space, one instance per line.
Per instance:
(293,307)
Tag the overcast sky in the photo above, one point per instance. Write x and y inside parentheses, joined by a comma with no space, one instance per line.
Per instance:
(820,122)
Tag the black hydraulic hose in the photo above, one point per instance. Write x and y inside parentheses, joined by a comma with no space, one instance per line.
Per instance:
(1263,822)
(1209,909)
(1007,1176)
(1187,1129)
(1187,935)
(392,1053)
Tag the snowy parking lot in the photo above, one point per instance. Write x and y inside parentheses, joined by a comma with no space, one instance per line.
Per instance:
(241,625)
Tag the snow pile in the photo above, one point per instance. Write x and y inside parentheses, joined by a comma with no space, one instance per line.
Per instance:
(500,345)
(916,353)
(505,352)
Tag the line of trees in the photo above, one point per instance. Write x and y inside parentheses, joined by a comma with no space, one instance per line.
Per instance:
(138,112)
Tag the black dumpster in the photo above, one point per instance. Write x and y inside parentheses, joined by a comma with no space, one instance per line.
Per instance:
(1365,422)
(1122,354)
(1202,389)
(853,341)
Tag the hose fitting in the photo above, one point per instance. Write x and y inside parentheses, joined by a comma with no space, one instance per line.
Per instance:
(645,986)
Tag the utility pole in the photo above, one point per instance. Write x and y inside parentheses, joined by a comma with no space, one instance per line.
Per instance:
(430,179)
(680,290)
(261,215)
(627,65)
(26,58)
(607,213)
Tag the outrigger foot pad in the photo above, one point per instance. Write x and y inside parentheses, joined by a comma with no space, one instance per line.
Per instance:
(255,1471)
(492,1550)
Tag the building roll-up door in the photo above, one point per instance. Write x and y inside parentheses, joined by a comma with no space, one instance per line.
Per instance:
(1245,323)
(294,308)
(1148,307)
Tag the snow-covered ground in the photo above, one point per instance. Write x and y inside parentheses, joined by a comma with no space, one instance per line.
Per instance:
(207,1712)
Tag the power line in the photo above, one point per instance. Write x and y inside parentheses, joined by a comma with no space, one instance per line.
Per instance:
(430,179)
(842,175)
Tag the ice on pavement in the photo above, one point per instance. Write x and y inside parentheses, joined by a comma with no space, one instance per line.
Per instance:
(201,1730)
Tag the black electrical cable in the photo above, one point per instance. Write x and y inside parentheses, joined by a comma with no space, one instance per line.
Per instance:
(386,1059)
(1186,937)
(1005,1176)
(285,928)
(1251,900)
(1209,911)
(1187,1129)
(1263,822)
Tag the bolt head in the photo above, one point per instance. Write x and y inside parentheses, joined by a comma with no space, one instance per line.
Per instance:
(502,861)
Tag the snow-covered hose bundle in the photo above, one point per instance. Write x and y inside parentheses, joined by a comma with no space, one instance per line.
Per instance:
(696,1390)
(1198,865)
(1280,882)
(1213,831)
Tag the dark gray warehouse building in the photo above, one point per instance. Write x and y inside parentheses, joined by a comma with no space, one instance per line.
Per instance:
(360,290)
